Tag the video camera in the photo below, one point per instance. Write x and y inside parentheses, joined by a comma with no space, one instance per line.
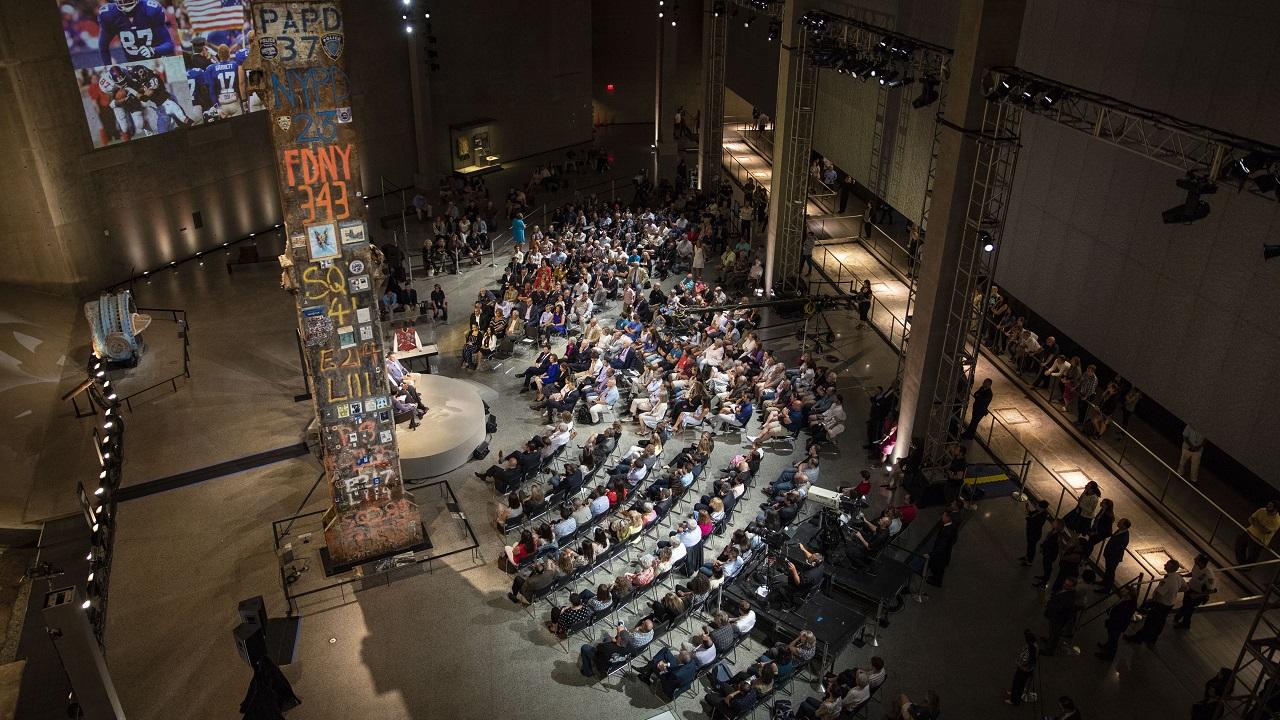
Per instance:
(775,539)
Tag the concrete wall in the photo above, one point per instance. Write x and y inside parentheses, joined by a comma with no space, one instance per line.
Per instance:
(751,61)
(524,63)
(623,46)
(77,219)
(1188,312)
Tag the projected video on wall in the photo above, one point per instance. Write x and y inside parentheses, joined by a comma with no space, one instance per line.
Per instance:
(147,67)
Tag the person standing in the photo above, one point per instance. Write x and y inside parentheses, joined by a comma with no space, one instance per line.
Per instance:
(1084,393)
(1113,554)
(1026,661)
(1061,612)
(981,404)
(943,543)
(1192,446)
(1129,406)
(1037,516)
(1118,618)
(1160,604)
(517,234)
(863,301)
(1200,586)
(1049,549)
(1263,524)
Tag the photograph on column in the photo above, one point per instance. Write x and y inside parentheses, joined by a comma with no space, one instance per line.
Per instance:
(147,67)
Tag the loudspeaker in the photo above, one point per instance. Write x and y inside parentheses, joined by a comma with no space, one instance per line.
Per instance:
(251,642)
(254,611)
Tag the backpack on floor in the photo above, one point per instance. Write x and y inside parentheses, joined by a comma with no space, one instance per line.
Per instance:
(481,451)
(491,424)
(782,710)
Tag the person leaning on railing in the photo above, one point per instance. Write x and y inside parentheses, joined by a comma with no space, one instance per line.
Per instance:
(1263,524)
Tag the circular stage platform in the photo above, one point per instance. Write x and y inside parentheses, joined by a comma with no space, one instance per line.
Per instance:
(446,435)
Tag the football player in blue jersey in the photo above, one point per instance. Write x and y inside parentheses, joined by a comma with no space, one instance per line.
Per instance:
(223,79)
(141,26)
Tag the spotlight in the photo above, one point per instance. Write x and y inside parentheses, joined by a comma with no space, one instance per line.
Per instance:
(999,89)
(928,92)
(1193,208)
(659,13)
(1049,96)
(717,8)
(1270,251)
(86,604)
(987,240)
(408,29)
(673,22)
(775,29)
(748,21)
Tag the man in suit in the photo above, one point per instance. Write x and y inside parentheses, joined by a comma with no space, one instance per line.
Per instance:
(1061,612)
(505,476)
(624,359)
(538,367)
(1118,619)
(981,403)
(1113,554)
(943,543)
(1037,516)
(675,672)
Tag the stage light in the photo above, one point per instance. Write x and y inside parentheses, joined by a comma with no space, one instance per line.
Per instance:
(1193,208)
(408,29)
(1049,96)
(1000,88)
(673,22)
(86,604)
(100,490)
(89,557)
(659,13)
(987,239)
(1270,251)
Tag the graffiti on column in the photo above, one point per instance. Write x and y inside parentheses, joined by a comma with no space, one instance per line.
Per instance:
(297,47)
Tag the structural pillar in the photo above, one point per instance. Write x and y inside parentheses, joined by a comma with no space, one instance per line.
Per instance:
(793,138)
(420,86)
(334,274)
(986,36)
(711,126)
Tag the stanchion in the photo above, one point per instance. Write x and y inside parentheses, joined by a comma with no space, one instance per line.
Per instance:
(920,595)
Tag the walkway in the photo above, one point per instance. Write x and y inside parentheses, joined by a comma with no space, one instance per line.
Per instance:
(1170,519)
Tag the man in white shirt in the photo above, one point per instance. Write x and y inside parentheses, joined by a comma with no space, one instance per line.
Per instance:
(1161,603)
(1200,586)
(689,533)
(744,619)
(857,695)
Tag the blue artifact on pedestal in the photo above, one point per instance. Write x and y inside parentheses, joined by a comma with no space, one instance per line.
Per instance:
(116,327)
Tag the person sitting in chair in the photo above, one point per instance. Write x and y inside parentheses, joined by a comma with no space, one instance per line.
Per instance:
(868,541)
(804,580)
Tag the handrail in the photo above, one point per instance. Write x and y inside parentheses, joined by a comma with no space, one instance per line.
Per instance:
(1224,518)
(1028,462)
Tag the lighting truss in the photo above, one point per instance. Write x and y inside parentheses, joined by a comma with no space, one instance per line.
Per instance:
(1170,141)
(875,47)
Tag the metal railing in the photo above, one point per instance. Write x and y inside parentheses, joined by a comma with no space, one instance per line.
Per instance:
(1031,474)
(1194,511)
(842,280)
(185,333)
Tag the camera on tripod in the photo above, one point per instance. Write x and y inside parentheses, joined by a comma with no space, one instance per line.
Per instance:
(775,539)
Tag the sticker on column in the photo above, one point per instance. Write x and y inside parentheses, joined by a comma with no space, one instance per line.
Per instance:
(323,242)
(352,231)
(346,337)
